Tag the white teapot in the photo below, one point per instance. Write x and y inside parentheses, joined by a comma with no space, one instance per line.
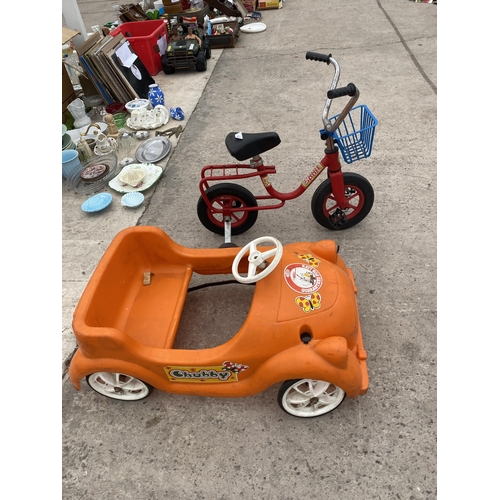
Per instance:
(138,117)
(148,119)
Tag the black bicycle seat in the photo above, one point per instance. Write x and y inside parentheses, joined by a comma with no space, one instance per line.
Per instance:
(243,146)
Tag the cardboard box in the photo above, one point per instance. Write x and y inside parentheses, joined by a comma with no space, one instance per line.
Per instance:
(68,34)
(269,4)
(224,41)
(172,7)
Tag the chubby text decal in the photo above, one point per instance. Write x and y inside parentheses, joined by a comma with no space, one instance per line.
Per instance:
(227,372)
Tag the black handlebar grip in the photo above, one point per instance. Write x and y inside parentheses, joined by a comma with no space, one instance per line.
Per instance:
(318,57)
(349,90)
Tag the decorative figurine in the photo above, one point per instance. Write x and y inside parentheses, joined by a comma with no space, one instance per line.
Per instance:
(112,128)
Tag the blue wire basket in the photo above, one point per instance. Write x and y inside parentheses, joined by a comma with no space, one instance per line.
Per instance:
(355,134)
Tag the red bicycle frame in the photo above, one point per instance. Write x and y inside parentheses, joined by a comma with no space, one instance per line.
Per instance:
(330,162)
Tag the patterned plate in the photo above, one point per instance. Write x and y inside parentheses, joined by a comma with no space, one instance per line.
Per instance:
(97,203)
(153,173)
(94,172)
(133,199)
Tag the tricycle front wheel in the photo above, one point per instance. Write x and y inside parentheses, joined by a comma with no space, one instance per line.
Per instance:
(119,386)
(309,398)
(359,196)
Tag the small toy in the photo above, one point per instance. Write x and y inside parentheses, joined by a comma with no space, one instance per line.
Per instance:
(188,47)
(342,200)
(302,329)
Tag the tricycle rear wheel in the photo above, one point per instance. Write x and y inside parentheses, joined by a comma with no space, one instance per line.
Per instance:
(223,195)
(308,398)
(119,386)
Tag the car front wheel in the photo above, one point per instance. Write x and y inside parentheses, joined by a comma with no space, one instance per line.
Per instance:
(119,386)
(309,398)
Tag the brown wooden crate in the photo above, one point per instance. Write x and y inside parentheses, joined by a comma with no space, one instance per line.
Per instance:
(172,9)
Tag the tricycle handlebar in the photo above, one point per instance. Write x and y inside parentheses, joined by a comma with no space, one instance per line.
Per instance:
(350,90)
(318,57)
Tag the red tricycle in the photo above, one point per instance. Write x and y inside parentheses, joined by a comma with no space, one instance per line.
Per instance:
(302,329)
(340,201)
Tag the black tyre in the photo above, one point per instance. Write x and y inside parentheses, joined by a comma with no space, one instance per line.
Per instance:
(208,49)
(358,191)
(308,398)
(119,386)
(223,195)
(201,61)
(167,68)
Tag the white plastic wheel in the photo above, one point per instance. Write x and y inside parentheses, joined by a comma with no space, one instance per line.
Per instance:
(119,386)
(309,398)
(258,267)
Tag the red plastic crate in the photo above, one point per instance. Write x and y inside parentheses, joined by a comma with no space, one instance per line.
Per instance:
(145,37)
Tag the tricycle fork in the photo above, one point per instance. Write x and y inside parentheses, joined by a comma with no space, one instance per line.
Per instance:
(331,160)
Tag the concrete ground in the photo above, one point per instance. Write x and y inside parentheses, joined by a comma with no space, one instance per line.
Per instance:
(380,445)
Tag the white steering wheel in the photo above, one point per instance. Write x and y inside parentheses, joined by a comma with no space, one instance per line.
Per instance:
(257,260)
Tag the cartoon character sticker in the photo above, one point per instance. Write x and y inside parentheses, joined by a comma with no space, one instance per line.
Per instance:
(309,302)
(227,372)
(310,259)
(303,278)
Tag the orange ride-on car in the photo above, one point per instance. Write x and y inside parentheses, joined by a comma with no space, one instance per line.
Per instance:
(302,328)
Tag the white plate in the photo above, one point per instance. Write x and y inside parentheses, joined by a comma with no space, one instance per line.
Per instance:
(253,28)
(153,173)
(133,199)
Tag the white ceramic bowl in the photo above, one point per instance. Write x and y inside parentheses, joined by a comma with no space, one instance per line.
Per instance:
(132,199)
(137,104)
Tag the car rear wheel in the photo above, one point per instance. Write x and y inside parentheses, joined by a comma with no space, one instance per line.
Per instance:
(201,62)
(119,386)
(309,398)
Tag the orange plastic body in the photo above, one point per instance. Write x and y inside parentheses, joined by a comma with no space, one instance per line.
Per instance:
(123,325)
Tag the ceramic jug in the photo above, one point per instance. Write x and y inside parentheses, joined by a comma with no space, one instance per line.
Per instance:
(105,145)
